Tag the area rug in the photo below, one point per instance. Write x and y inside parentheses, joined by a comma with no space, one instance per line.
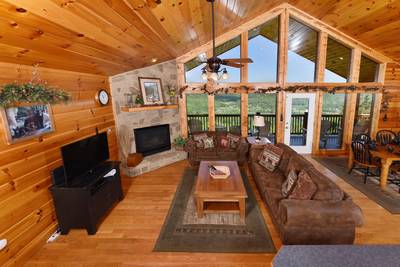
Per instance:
(389,199)
(219,233)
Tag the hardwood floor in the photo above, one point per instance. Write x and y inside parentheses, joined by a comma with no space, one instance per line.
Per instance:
(127,235)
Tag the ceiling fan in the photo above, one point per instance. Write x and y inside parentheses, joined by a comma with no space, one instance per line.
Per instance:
(214,63)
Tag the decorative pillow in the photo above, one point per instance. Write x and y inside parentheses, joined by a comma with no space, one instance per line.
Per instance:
(233,140)
(288,185)
(224,142)
(208,142)
(304,188)
(198,138)
(270,157)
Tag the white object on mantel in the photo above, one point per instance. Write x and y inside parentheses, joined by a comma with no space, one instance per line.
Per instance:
(111,173)
(3,244)
(224,169)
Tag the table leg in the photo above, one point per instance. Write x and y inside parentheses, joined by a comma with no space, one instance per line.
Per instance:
(200,207)
(350,161)
(385,172)
(242,208)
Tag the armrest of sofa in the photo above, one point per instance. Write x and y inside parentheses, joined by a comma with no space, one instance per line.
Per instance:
(190,146)
(242,149)
(319,213)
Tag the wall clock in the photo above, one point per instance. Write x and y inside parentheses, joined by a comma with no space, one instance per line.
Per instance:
(102,97)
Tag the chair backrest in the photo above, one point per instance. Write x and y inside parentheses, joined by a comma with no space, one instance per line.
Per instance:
(195,125)
(325,125)
(384,137)
(362,138)
(361,152)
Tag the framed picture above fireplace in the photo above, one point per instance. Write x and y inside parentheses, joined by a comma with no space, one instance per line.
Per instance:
(151,89)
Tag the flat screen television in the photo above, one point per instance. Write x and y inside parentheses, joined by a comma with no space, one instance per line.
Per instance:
(83,156)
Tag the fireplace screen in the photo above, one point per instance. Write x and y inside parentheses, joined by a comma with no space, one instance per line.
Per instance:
(152,140)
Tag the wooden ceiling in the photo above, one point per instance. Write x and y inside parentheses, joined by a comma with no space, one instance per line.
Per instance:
(112,36)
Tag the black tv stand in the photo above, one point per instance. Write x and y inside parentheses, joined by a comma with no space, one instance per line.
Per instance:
(84,201)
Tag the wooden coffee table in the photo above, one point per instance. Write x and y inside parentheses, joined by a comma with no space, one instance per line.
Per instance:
(220,195)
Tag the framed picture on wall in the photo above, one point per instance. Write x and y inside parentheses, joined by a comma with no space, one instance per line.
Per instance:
(27,121)
(151,89)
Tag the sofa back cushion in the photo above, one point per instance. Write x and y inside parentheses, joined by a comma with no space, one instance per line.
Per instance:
(287,153)
(298,163)
(326,189)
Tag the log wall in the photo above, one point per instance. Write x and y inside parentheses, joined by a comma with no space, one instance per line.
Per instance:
(392,85)
(27,216)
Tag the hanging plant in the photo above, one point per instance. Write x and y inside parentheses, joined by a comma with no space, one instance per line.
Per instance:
(30,92)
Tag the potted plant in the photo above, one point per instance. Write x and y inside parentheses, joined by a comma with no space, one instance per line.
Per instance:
(179,143)
(139,101)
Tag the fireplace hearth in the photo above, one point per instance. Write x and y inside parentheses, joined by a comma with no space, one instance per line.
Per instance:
(152,140)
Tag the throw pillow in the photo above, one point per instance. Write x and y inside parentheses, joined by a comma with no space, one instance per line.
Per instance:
(288,185)
(233,140)
(198,138)
(208,142)
(270,157)
(224,142)
(304,188)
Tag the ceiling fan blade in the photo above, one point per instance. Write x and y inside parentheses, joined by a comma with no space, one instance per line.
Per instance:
(240,60)
(233,64)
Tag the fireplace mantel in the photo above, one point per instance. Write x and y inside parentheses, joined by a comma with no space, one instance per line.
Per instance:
(147,108)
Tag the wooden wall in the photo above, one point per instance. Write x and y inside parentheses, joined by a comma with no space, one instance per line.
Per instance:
(27,215)
(392,85)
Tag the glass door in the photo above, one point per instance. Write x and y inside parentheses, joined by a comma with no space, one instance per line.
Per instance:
(299,124)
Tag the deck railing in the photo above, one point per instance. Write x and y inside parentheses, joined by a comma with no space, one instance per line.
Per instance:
(298,122)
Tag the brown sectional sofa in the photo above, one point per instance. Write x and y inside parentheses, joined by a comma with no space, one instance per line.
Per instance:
(195,154)
(330,217)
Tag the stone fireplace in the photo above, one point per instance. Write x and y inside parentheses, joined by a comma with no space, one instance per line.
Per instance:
(128,122)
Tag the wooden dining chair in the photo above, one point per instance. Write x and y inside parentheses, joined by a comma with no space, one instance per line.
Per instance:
(363,160)
(365,138)
(385,137)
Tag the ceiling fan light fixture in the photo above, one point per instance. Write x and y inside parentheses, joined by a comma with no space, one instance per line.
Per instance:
(213,76)
(204,75)
(225,75)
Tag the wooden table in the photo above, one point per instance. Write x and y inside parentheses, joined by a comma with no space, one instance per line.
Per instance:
(387,159)
(220,195)
(252,140)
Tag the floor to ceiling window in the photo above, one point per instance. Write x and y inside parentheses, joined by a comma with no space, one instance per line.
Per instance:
(332,121)
(265,104)
(227,113)
(263,50)
(338,58)
(302,52)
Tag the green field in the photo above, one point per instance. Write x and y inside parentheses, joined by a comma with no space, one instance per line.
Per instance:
(266,104)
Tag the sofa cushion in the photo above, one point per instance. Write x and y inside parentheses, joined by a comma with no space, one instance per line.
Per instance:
(204,154)
(223,142)
(304,188)
(198,138)
(265,178)
(208,142)
(270,157)
(297,163)
(233,140)
(289,183)
(326,189)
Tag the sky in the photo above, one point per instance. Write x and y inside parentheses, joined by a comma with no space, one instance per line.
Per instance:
(264,69)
